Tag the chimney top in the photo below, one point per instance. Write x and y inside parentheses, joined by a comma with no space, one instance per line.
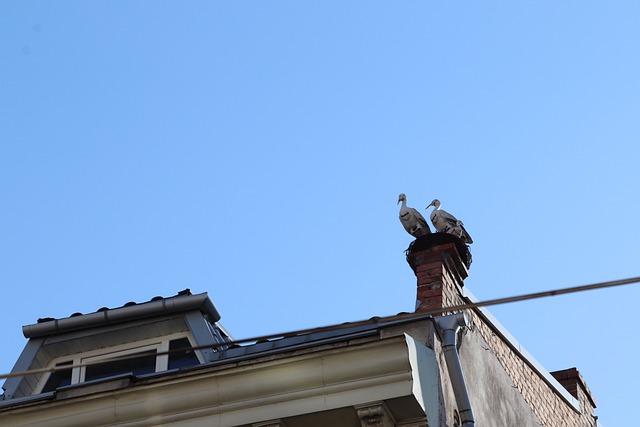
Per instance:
(428,241)
(572,380)
(440,262)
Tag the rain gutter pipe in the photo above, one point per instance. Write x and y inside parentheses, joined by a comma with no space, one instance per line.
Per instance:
(447,327)
(162,306)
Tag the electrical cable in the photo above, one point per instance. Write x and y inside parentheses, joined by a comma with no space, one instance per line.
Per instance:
(374,320)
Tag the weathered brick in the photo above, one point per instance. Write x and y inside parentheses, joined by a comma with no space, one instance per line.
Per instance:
(439,271)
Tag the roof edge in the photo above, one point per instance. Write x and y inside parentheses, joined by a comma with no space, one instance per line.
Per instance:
(524,354)
(177,304)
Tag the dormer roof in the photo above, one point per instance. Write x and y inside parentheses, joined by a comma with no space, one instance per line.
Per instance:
(158,306)
(142,332)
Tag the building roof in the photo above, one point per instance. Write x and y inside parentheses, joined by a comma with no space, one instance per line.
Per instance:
(196,316)
(54,339)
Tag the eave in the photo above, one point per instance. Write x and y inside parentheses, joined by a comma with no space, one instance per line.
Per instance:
(240,394)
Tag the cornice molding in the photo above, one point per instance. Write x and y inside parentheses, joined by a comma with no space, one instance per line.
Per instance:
(251,393)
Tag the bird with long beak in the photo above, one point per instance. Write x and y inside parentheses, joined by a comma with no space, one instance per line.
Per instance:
(412,220)
(444,222)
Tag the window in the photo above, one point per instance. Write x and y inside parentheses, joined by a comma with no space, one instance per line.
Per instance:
(137,364)
(140,360)
(181,354)
(58,378)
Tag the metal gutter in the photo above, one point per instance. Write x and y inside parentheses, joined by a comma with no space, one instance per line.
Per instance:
(27,399)
(243,353)
(377,371)
(448,327)
(155,308)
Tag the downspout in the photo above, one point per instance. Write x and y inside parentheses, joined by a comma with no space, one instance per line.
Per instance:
(448,327)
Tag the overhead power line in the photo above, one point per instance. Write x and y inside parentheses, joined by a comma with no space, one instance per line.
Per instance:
(374,320)
(460,307)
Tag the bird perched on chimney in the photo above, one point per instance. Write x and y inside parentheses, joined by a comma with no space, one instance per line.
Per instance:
(444,222)
(412,220)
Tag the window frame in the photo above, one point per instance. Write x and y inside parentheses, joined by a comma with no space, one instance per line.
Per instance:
(84,361)
(78,361)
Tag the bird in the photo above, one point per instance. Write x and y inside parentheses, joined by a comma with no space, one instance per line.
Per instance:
(444,222)
(412,220)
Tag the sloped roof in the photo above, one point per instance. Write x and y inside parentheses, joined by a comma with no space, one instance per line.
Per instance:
(221,354)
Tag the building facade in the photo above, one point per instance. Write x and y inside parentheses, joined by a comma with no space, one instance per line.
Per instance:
(168,361)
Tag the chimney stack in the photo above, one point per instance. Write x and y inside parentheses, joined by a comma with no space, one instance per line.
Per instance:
(572,380)
(440,262)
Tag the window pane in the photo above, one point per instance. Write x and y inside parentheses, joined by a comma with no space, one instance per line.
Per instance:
(58,378)
(137,364)
(181,354)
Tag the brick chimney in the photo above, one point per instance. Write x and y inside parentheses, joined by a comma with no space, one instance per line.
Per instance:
(440,262)
(572,380)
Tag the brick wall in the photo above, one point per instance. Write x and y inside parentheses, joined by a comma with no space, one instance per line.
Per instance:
(572,380)
(550,408)
(438,269)
(440,272)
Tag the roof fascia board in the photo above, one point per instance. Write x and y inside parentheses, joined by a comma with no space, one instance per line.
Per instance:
(106,329)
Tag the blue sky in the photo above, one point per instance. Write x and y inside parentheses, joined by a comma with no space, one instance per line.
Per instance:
(256,150)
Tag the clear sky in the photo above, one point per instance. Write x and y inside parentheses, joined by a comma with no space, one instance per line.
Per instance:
(256,150)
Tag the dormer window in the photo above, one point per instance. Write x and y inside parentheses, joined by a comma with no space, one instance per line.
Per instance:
(172,352)
(181,354)
(136,362)
(59,378)
(137,339)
